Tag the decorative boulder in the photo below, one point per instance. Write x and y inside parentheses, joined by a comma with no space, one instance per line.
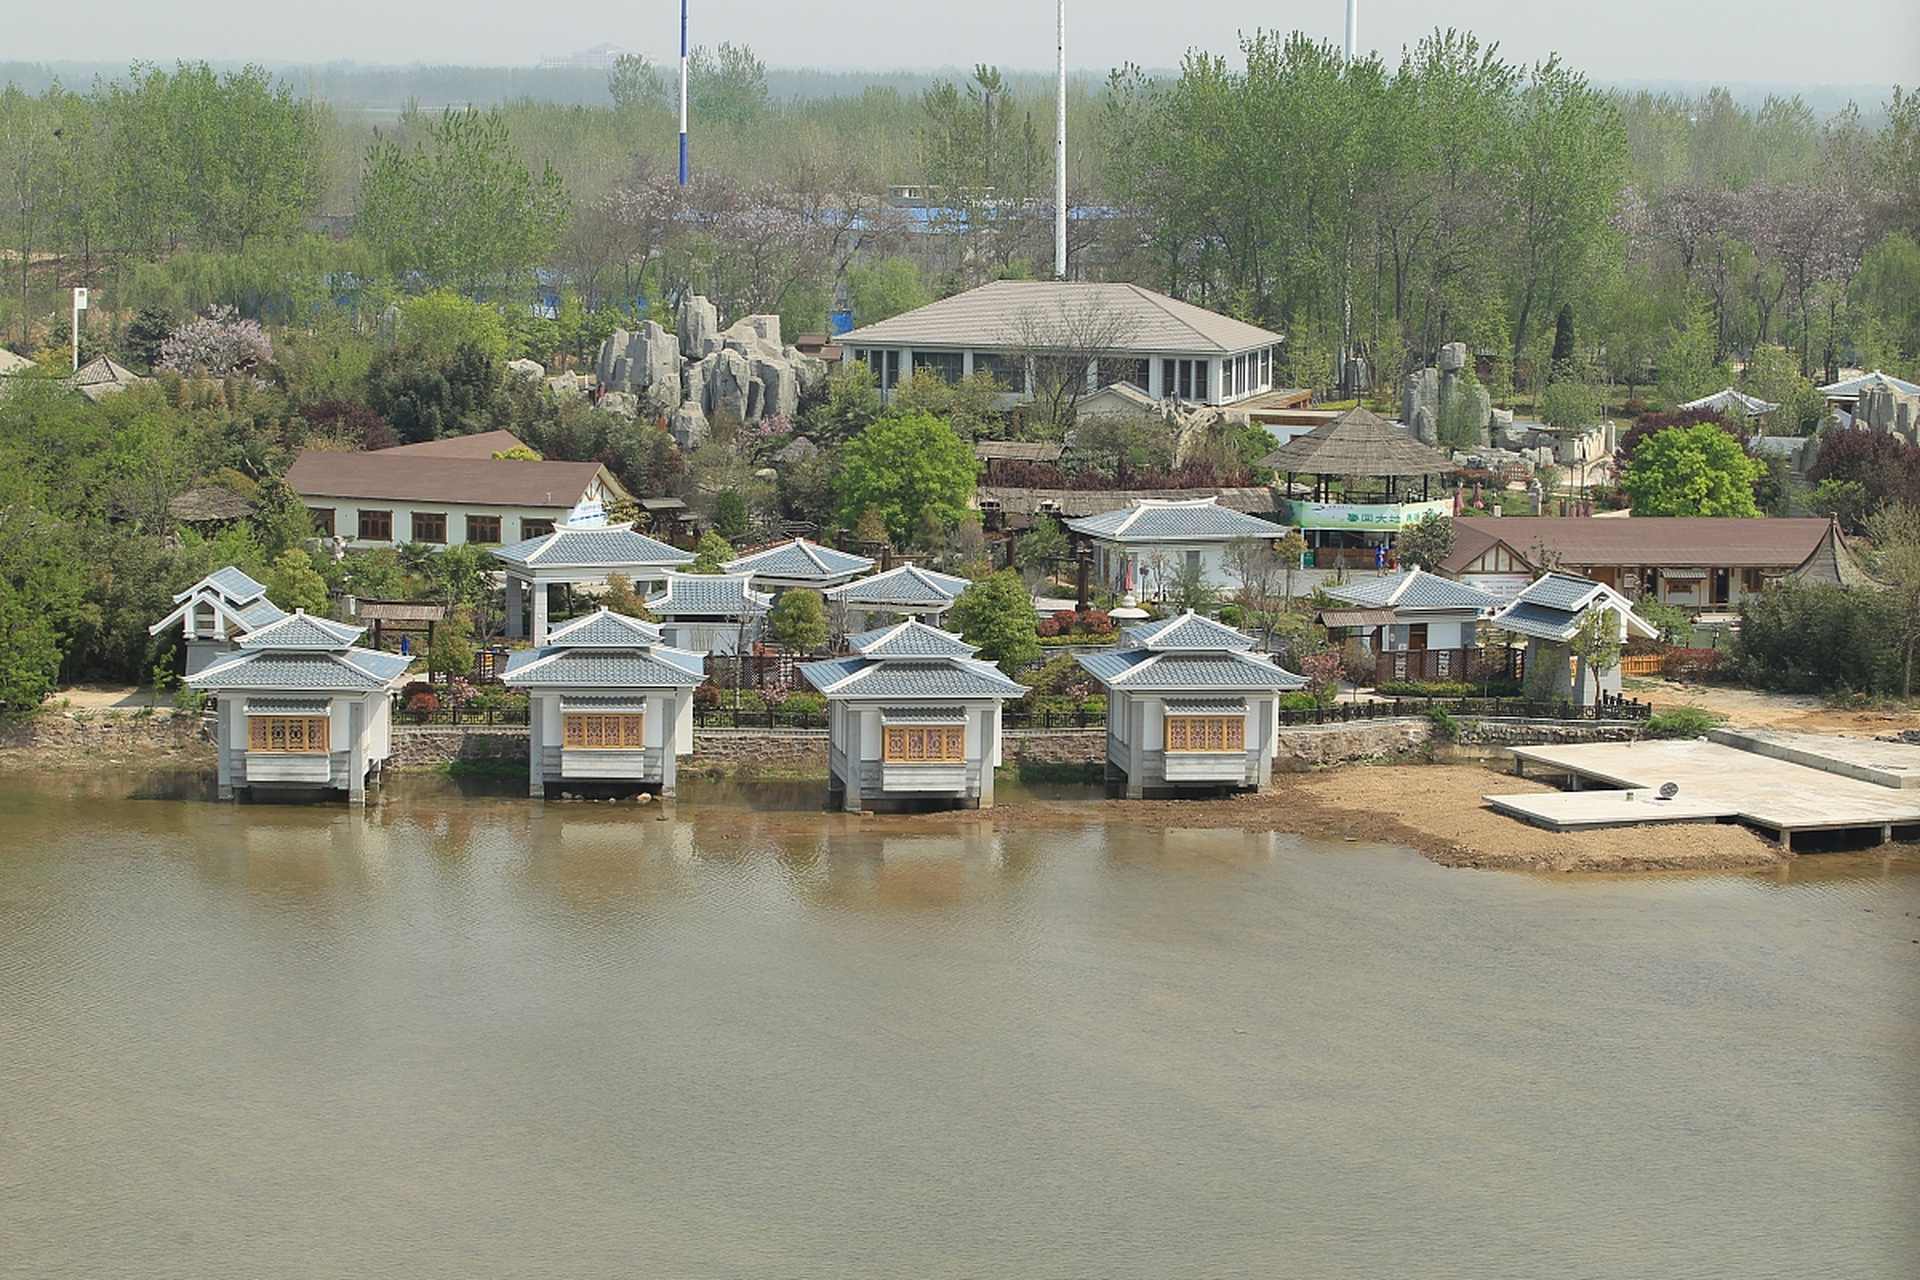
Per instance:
(688,426)
(526,370)
(699,327)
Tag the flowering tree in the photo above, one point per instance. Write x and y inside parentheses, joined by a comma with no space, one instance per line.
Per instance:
(217,345)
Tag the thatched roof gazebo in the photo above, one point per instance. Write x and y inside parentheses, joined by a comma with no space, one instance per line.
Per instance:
(1376,461)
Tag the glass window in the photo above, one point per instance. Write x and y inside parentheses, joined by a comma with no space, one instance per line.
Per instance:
(483,528)
(322,520)
(376,526)
(1226,380)
(429,526)
(1123,370)
(1200,380)
(1010,371)
(1166,379)
(949,366)
(535,528)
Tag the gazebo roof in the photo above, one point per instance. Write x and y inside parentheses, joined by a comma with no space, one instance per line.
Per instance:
(728,595)
(606,650)
(1357,443)
(908,587)
(613,547)
(1157,520)
(800,561)
(1552,608)
(1721,401)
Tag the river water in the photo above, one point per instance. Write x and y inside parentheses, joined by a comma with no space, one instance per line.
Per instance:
(468,1036)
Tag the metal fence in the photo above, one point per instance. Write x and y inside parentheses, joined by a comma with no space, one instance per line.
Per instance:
(469,717)
(1624,709)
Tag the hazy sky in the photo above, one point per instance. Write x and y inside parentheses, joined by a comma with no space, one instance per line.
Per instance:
(1721,41)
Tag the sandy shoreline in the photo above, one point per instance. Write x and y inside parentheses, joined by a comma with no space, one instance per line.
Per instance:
(1437,810)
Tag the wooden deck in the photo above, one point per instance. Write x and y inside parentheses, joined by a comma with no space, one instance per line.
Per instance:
(1824,786)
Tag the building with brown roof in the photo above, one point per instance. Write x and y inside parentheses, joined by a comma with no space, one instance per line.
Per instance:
(444,492)
(1698,563)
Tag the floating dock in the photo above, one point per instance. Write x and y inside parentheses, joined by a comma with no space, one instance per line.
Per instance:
(1784,784)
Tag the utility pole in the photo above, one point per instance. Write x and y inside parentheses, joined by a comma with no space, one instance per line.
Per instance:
(683,91)
(1353,28)
(1060,155)
(1346,276)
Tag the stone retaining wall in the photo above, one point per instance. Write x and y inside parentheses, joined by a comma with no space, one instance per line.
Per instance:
(427,746)
(1300,747)
(162,739)
(747,749)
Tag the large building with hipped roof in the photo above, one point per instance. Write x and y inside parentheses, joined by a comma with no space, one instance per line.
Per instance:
(1190,708)
(1110,333)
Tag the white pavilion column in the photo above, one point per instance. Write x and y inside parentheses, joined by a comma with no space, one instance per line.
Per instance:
(536,776)
(539,613)
(516,608)
(357,753)
(989,753)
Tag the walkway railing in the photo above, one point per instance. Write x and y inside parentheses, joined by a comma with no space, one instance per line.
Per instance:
(1622,709)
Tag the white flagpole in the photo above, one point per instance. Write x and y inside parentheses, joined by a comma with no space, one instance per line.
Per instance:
(683,92)
(1060,156)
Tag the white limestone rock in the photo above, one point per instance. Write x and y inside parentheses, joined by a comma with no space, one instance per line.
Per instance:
(688,426)
(699,327)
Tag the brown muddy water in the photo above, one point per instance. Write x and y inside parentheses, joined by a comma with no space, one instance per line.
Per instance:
(467,1036)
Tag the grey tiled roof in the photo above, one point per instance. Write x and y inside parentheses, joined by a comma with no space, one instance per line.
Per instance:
(1537,620)
(952,678)
(1187,631)
(613,547)
(800,560)
(258,613)
(603,629)
(1854,386)
(1414,591)
(354,671)
(231,583)
(301,630)
(923,715)
(910,640)
(1022,312)
(658,668)
(1560,591)
(1140,669)
(708,595)
(1157,520)
(909,585)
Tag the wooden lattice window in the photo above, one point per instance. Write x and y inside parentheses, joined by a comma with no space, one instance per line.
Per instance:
(925,744)
(293,735)
(1206,733)
(601,731)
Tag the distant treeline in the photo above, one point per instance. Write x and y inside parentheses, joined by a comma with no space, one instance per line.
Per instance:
(1565,231)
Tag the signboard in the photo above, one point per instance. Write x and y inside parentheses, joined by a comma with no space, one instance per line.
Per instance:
(79,299)
(1382,517)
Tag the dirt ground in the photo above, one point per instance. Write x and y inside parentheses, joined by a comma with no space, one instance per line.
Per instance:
(1434,808)
(1749,709)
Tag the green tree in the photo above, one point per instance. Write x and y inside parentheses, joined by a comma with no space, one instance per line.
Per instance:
(713,552)
(460,208)
(635,83)
(451,651)
(439,322)
(730,515)
(997,614)
(885,289)
(904,465)
(293,582)
(1427,542)
(798,620)
(1570,404)
(1691,471)
(1038,545)
(621,598)
(726,85)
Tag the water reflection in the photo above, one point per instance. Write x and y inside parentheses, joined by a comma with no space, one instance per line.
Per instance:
(460,1035)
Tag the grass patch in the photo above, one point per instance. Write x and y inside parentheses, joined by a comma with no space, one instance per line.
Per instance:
(1681,722)
(482,769)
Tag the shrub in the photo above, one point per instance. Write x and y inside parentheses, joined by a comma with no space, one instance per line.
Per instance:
(1426,689)
(1681,722)
(423,705)
(1048,627)
(1302,701)
(707,695)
